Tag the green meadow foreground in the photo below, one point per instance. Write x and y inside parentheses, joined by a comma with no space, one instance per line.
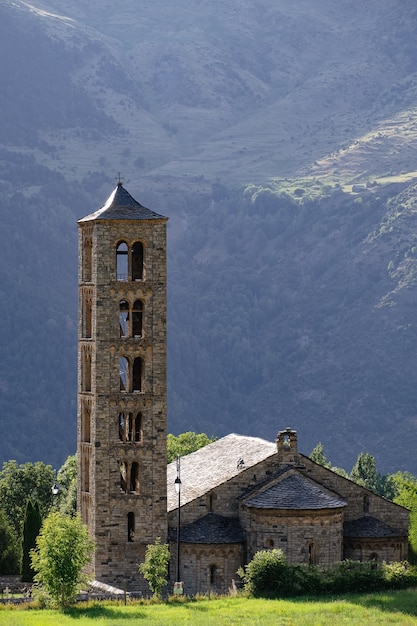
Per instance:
(399,608)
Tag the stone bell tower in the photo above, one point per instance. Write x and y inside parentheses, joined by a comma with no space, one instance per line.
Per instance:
(122,384)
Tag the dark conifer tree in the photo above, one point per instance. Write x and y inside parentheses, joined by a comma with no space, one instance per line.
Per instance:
(31,528)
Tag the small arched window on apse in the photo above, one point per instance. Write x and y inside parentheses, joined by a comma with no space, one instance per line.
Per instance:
(312,553)
(137,318)
(131,527)
(137,261)
(137,374)
(122,261)
(123,318)
(124,374)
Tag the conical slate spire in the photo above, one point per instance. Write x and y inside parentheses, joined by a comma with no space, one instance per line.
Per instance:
(121,206)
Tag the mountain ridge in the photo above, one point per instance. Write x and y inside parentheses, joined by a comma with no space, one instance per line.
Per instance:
(279,140)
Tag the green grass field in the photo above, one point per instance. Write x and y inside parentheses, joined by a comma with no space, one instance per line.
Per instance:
(398,608)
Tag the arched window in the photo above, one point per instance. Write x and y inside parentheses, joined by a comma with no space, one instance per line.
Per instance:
(122,427)
(312,553)
(137,374)
(137,318)
(123,467)
(122,261)
(131,527)
(365,503)
(212,574)
(123,318)
(138,428)
(134,478)
(124,373)
(137,261)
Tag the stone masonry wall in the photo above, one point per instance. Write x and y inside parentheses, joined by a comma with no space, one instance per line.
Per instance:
(103,504)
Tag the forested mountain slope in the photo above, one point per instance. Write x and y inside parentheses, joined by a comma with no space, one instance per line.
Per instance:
(279,138)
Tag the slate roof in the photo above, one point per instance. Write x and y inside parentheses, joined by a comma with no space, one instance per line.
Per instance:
(121,206)
(215,464)
(211,528)
(295,492)
(369,527)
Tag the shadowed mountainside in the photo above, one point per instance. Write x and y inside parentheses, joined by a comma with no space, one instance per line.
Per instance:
(279,138)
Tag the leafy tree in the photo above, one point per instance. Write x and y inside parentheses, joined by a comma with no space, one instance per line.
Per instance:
(317,455)
(18,483)
(66,499)
(185,443)
(31,529)
(63,548)
(340,471)
(385,486)
(364,471)
(406,495)
(9,548)
(155,567)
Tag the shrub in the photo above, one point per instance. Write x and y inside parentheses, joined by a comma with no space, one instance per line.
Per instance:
(268,575)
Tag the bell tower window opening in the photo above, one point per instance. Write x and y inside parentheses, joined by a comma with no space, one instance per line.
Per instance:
(138,428)
(137,318)
(137,261)
(123,373)
(137,374)
(123,467)
(122,261)
(123,318)
(122,426)
(131,527)
(134,478)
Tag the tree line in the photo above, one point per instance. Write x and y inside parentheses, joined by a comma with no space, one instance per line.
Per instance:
(38,505)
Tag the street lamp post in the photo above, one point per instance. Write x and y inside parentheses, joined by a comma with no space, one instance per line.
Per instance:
(177,485)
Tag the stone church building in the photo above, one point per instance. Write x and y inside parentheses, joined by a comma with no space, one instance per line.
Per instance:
(239,494)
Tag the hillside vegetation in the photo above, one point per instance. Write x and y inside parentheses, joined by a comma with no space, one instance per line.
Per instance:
(279,138)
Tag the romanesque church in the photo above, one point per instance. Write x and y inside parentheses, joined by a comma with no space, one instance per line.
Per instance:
(239,494)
